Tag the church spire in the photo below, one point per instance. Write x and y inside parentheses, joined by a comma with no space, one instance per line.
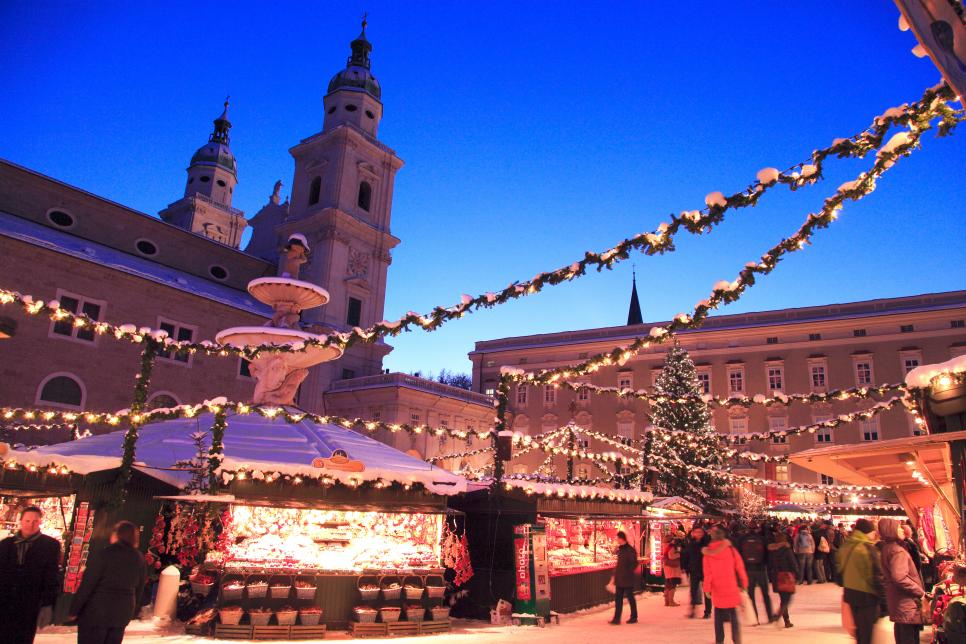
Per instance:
(222,125)
(634,315)
(361,47)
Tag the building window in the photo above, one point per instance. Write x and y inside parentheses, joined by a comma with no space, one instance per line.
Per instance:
(957,324)
(521,394)
(870,429)
(77,304)
(776,378)
(582,472)
(822,434)
(625,431)
(704,380)
(863,372)
(771,340)
(739,426)
(365,195)
(244,368)
(814,337)
(375,413)
(162,401)
(60,218)
(179,332)
(549,395)
(490,389)
(315,189)
(353,316)
(910,359)
(778,424)
(825,479)
(583,394)
(582,443)
(414,418)
(348,374)
(61,390)
(736,380)
(146,247)
(625,380)
(781,472)
(817,376)
(858,333)
(906,328)
(520,469)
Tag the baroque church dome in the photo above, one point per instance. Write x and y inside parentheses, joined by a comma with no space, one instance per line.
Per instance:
(357,73)
(216,151)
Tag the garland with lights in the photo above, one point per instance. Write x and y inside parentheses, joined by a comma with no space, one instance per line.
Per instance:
(216,451)
(838,421)
(142,384)
(931,105)
(776,398)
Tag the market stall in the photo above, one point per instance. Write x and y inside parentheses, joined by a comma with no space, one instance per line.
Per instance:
(667,515)
(917,469)
(580,524)
(313,526)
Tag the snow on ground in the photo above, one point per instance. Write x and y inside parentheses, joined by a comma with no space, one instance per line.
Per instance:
(814,611)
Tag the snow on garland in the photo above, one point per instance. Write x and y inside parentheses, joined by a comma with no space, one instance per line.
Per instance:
(916,115)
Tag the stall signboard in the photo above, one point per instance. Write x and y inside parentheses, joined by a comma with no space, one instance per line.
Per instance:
(532,570)
(657,546)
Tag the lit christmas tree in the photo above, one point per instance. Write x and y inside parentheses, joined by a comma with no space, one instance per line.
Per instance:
(696,442)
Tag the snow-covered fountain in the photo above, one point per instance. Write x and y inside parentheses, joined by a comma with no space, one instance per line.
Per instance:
(278,374)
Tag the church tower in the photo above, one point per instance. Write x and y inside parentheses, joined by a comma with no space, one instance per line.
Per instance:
(206,208)
(341,201)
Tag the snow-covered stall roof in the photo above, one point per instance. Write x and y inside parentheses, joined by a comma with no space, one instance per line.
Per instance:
(922,375)
(567,490)
(253,443)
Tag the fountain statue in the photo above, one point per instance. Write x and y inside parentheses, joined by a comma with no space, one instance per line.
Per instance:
(278,374)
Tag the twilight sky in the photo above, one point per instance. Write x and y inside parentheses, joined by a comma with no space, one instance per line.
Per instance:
(531,132)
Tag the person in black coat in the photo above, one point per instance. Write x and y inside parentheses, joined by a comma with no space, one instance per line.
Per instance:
(692,562)
(625,576)
(29,578)
(782,559)
(109,594)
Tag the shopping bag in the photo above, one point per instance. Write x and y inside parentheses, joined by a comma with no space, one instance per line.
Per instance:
(746,612)
(611,587)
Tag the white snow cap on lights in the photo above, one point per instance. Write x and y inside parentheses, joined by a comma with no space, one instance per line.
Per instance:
(300,238)
(922,376)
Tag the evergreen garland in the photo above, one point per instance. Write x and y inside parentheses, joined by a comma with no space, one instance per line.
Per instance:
(697,444)
(142,383)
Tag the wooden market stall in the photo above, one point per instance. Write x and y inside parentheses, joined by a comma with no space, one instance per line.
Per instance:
(918,470)
(580,524)
(312,525)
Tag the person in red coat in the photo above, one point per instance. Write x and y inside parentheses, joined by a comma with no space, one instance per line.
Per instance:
(725,580)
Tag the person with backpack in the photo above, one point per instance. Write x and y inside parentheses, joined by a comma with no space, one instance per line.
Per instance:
(805,552)
(783,571)
(822,549)
(725,580)
(860,568)
(671,565)
(754,554)
(903,584)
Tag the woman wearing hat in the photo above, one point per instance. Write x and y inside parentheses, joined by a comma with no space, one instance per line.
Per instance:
(671,564)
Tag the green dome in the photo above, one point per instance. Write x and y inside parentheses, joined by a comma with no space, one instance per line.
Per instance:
(358,78)
(215,154)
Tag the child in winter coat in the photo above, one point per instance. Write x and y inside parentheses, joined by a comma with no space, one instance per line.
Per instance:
(725,580)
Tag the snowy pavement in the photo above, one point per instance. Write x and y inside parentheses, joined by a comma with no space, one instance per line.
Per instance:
(814,611)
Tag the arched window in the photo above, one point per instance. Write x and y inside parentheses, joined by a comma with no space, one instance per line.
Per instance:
(62,390)
(365,195)
(314,191)
(162,401)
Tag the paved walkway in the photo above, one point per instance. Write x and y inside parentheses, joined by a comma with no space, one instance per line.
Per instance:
(814,611)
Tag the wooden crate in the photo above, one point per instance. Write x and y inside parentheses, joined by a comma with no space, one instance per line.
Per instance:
(307,632)
(403,628)
(202,630)
(431,627)
(240,632)
(363,629)
(271,632)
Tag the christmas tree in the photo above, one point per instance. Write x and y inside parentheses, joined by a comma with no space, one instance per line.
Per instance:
(682,437)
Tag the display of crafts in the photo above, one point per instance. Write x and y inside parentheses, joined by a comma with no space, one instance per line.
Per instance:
(332,540)
(579,545)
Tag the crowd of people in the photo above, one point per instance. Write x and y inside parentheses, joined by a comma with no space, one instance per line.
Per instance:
(878,565)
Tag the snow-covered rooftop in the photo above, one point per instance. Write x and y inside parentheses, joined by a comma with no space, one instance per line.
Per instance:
(60,242)
(253,443)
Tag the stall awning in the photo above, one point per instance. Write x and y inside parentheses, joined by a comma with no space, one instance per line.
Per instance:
(895,464)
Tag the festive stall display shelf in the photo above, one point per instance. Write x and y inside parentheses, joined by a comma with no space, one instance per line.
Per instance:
(582,545)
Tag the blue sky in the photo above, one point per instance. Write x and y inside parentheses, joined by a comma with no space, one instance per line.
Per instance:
(531,132)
